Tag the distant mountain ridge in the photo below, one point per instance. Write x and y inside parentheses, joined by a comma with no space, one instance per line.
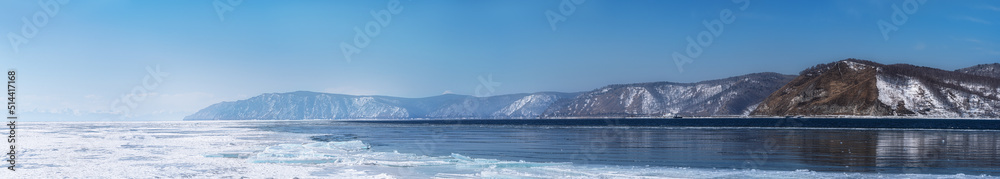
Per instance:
(312,105)
(849,87)
(730,96)
(987,70)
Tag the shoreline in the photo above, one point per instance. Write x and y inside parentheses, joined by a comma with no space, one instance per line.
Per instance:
(888,123)
(776,122)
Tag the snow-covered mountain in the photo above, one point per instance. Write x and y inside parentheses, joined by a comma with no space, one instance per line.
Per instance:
(865,88)
(313,105)
(988,70)
(731,96)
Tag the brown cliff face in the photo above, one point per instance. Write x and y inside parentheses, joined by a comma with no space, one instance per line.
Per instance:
(845,87)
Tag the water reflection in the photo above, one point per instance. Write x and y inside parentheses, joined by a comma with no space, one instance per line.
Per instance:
(840,150)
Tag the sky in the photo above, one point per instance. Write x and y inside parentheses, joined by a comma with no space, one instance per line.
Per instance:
(162,60)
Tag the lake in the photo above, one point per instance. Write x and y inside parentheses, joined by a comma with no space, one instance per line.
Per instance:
(609,148)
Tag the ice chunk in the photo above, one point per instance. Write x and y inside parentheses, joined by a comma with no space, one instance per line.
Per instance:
(318,152)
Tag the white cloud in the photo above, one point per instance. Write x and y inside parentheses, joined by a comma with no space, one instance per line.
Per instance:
(920,46)
(854,12)
(976,20)
(990,7)
(974,40)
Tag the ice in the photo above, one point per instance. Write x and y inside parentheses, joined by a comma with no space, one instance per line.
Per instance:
(202,149)
(318,152)
(146,150)
(352,153)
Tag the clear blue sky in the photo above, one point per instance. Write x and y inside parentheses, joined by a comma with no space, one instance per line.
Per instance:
(91,53)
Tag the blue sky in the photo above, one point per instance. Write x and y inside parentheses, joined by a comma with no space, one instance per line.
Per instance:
(92,53)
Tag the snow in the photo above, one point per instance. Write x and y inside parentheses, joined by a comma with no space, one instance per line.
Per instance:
(855,66)
(667,99)
(915,95)
(528,106)
(750,109)
(922,98)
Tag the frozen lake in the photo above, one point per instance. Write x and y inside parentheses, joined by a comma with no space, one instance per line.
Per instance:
(329,149)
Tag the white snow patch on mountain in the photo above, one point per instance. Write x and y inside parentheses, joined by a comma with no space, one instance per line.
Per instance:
(528,106)
(924,99)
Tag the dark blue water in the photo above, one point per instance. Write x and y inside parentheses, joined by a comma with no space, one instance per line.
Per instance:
(837,147)
(734,122)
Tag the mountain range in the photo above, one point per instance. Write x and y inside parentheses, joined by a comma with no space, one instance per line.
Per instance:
(313,105)
(849,87)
